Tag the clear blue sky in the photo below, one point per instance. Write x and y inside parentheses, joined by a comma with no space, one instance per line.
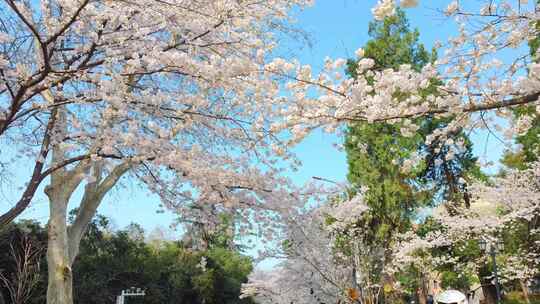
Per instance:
(337,28)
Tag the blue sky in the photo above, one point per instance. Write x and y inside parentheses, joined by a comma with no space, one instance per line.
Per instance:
(337,28)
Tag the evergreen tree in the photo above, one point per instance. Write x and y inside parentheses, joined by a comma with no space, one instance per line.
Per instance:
(375,151)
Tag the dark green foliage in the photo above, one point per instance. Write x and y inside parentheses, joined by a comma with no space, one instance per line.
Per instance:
(372,148)
(392,44)
(392,195)
(534,44)
(169,271)
(375,152)
(452,280)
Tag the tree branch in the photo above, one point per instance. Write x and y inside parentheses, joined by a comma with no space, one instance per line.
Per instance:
(92,198)
(36,178)
(68,24)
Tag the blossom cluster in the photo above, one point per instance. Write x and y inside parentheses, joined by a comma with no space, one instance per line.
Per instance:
(497,207)
(482,73)
(177,88)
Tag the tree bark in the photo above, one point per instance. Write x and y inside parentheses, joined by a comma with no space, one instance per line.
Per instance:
(64,240)
(422,290)
(59,289)
(59,191)
(525,291)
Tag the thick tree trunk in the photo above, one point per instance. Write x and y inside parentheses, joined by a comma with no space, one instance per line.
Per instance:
(59,290)
(64,240)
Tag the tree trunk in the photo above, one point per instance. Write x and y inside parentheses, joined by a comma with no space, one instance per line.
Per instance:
(59,290)
(525,291)
(490,293)
(422,291)
(64,241)
(420,295)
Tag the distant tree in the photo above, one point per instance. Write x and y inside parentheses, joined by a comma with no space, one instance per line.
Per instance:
(25,275)
(373,148)
(110,261)
(170,272)
(23,271)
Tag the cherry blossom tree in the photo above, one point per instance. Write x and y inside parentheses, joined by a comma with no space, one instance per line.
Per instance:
(508,208)
(482,73)
(325,255)
(309,271)
(315,267)
(184,96)
(175,93)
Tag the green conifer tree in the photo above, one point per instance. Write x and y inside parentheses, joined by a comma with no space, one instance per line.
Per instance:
(375,150)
